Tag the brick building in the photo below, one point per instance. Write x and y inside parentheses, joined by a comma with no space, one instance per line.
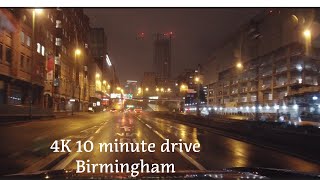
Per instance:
(55,61)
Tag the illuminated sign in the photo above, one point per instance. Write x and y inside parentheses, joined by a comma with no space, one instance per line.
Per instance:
(153,97)
(108,60)
(127,96)
(115,95)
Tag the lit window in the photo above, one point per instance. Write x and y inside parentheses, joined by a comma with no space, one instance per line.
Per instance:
(42,50)
(58,41)
(22,37)
(58,24)
(38,48)
(28,41)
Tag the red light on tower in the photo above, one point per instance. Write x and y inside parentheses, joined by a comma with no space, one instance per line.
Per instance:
(140,35)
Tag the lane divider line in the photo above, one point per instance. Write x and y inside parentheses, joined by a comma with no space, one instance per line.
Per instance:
(186,156)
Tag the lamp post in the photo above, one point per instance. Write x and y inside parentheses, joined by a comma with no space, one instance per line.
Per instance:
(197,81)
(77,53)
(307,37)
(34,12)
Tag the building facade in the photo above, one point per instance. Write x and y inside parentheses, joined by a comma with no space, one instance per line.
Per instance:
(275,56)
(44,58)
(162,54)
(22,60)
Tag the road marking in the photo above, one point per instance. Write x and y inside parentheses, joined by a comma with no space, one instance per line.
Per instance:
(148,126)
(187,157)
(98,130)
(66,161)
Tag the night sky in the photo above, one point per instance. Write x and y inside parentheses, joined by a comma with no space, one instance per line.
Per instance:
(197,31)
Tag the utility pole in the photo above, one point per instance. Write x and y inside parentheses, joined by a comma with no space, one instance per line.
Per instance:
(198,90)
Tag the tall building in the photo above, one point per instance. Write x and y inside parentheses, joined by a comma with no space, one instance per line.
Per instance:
(71,68)
(162,54)
(273,57)
(98,46)
(131,86)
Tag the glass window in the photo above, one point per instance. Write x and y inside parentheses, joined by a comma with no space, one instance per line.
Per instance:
(58,41)
(1,52)
(28,64)
(58,24)
(21,60)
(28,41)
(8,55)
(22,37)
(42,50)
(38,48)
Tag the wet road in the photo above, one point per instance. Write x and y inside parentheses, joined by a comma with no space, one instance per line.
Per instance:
(217,151)
(26,143)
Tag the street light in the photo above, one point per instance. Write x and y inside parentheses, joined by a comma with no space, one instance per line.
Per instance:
(77,52)
(97,75)
(104,82)
(38,11)
(147,89)
(157,89)
(118,88)
(196,79)
(169,90)
(34,12)
(307,36)
(239,65)
(307,33)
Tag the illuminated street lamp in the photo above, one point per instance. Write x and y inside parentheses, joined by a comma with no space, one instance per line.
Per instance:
(183,87)
(118,88)
(97,75)
(147,89)
(77,52)
(104,82)
(169,90)
(157,89)
(307,34)
(34,12)
(38,11)
(197,79)
(239,65)
(162,90)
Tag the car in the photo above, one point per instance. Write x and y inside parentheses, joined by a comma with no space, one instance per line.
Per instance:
(137,110)
(129,110)
(113,110)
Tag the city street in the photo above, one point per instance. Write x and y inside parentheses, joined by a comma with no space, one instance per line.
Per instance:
(24,151)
